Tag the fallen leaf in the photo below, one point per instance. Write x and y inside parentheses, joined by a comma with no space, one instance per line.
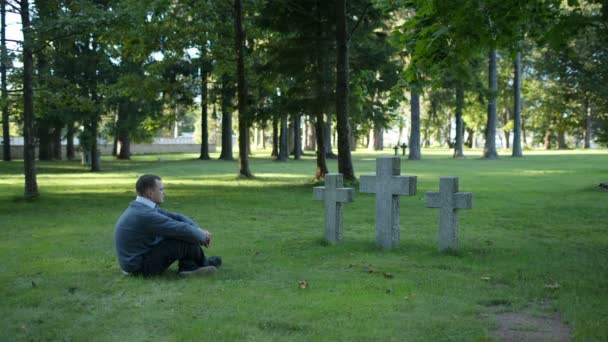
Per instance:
(485,278)
(553,286)
(388,275)
(303,284)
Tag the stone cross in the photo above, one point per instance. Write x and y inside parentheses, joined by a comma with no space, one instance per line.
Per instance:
(333,194)
(388,185)
(448,200)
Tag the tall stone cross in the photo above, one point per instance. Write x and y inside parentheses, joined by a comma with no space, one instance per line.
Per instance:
(333,194)
(449,201)
(388,185)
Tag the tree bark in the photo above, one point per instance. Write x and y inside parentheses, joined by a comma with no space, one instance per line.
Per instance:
(517,151)
(122,132)
(561,140)
(490,147)
(70,153)
(6,135)
(283,143)
(242,92)
(458,145)
(321,161)
(275,137)
(414,126)
(56,140)
(226,153)
(378,137)
(31,184)
(327,136)
(297,137)
(44,140)
(204,118)
(345,163)
(587,143)
(548,134)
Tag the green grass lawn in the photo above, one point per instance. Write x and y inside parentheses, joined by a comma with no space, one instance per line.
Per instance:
(536,221)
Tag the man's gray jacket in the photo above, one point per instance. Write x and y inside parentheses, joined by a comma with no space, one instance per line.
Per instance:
(140,228)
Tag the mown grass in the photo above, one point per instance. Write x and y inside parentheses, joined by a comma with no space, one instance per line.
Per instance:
(537,221)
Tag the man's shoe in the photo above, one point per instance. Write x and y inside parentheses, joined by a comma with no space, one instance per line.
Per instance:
(201,271)
(214,261)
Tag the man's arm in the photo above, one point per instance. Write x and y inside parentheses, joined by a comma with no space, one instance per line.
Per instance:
(177,217)
(163,225)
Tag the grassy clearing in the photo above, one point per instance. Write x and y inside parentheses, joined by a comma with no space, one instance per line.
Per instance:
(536,221)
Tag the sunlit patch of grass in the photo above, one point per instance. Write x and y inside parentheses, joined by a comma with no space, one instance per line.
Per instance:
(536,220)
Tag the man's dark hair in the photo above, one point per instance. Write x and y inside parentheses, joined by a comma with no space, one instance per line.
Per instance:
(146,182)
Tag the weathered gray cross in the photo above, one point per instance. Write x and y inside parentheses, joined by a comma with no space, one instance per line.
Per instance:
(334,195)
(449,201)
(388,185)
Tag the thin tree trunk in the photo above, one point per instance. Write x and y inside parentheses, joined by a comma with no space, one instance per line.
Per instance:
(31,184)
(548,134)
(70,153)
(517,151)
(378,137)
(226,153)
(561,140)
(275,137)
(587,143)
(56,140)
(242,92)
(283,142)
(297,137)
(6,135)
(327,137)
(414,126)
(122,131)
(458,148)
(321,161)
(490,148)
(204,118)
(44,140)
(345,163)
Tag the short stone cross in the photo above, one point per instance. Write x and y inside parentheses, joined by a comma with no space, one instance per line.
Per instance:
(448,200)
(333,194)
(388,185)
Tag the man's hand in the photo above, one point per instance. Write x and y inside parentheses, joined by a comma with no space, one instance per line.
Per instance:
(209,236)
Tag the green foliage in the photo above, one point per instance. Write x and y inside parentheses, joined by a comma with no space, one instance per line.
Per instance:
(542,225)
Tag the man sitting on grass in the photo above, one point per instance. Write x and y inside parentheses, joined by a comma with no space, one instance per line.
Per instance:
(149,239)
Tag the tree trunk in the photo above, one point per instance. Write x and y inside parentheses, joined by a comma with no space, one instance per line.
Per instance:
(378,137)
(548,141)
(490,148)
(204,118)
(275,137)
(517,151)
(414,126)
(561,140)
(321,161)
(56,140)
(345,163)
(44,140)
(327,137)
(6,135)
(297,137)
(31,184)
(283,142)
(226,153)
(458,148)
(587,143)
(70,153)
(122,132)
(242,92)
(470,133)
